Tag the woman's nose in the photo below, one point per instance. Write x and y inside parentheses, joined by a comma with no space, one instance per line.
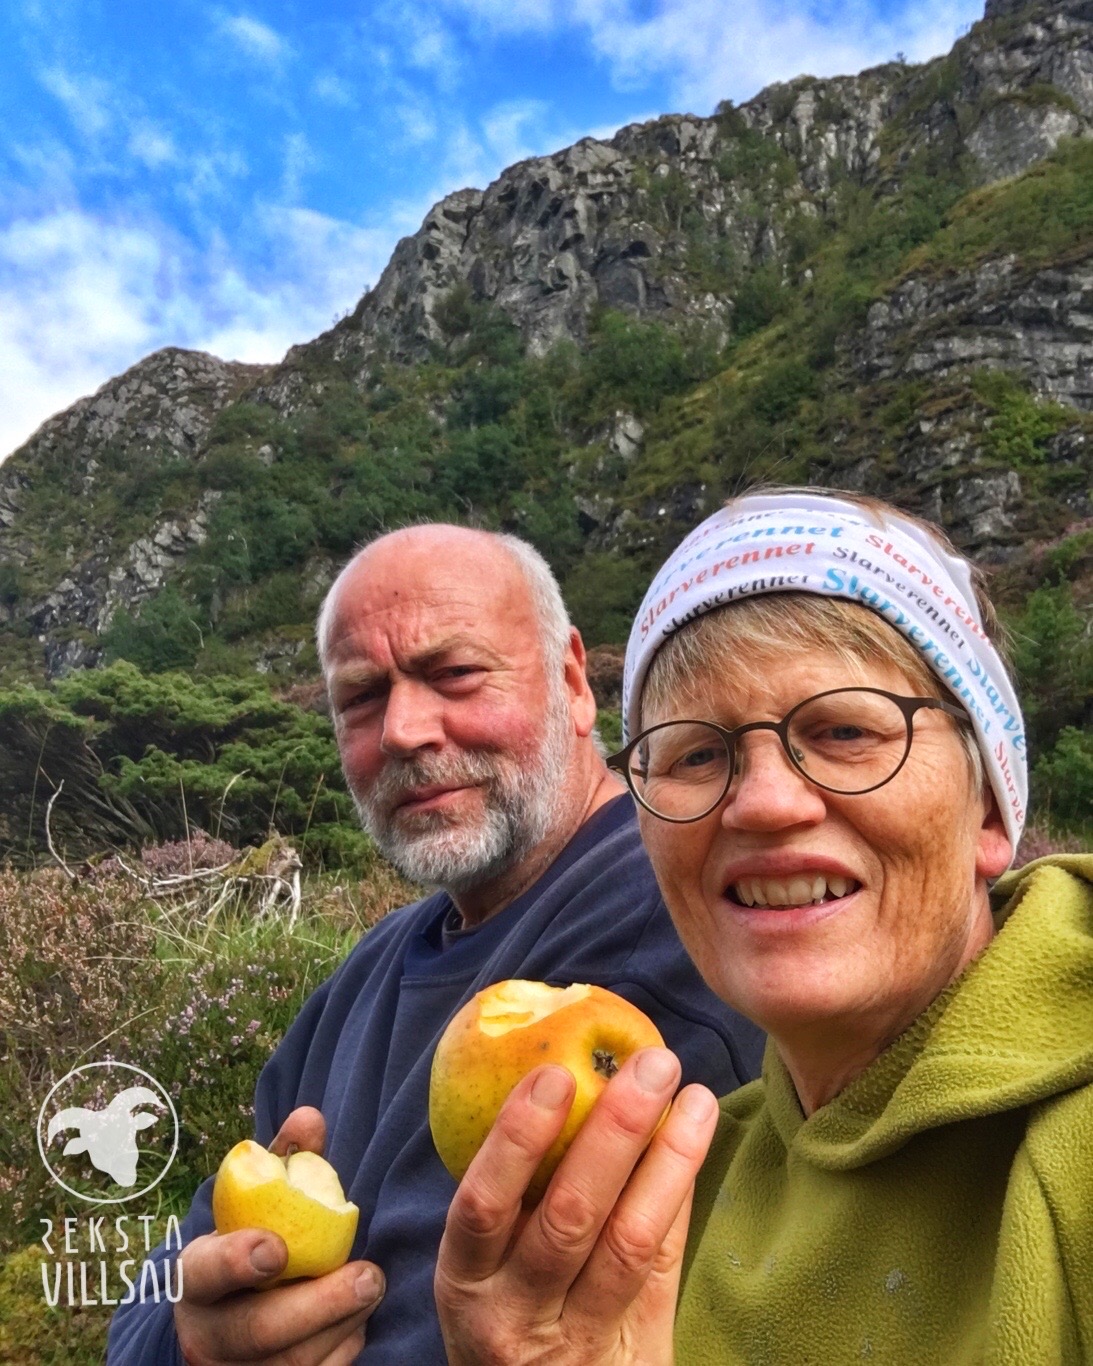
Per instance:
(767,792)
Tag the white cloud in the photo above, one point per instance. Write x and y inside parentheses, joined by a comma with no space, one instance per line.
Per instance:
(505,133)
(516,129)
(299,159)
(708,57)
(253,38)
(86,99)
(423,42)
(331,89)
(68,317)
(82,298)
(151,146)
(416,122)
(708,51)
(212,174)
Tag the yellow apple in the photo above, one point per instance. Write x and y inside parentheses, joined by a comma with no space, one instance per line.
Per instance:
(508,1030)
(299,1197)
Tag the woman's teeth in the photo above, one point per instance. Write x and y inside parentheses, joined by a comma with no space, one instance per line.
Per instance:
(794,891)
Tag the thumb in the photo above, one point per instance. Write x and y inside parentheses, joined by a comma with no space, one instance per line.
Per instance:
(304,1128)
(216,1265)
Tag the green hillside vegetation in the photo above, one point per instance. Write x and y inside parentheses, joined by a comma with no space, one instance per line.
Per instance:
(481,431)
(147,757)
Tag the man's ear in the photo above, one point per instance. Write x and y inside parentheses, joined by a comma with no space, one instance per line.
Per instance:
(994,851)
(582,702)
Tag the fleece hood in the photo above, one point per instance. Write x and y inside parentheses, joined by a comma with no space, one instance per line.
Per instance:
(1016,1028)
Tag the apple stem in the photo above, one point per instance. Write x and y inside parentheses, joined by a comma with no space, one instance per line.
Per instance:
(604,1062)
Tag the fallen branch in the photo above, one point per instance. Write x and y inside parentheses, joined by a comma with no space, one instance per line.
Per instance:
(49,836)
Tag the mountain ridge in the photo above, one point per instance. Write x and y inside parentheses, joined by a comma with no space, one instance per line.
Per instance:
(803,234)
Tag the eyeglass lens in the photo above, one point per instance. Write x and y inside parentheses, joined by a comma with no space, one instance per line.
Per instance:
(848,741)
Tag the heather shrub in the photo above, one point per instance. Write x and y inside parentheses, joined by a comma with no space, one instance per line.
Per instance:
(175,857)
(1038,841)
(78,966)
(71,956)
(194,987)
(224,1019)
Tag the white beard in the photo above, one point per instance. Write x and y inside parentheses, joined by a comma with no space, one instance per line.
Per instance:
(519,795)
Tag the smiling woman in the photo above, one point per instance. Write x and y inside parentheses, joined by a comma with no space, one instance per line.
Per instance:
(830,771)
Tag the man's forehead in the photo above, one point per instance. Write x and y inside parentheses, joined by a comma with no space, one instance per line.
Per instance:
(353,655)
(415,620)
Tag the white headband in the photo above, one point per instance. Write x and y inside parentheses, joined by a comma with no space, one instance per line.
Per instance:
(806,543)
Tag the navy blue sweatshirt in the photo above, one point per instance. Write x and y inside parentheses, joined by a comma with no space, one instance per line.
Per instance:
(361,1049)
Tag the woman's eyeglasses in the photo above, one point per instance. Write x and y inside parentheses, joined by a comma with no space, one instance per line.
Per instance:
(847,740)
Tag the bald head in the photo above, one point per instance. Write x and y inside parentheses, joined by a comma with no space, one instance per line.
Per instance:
(450,554)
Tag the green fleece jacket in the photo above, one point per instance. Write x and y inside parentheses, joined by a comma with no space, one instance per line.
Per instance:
(939,1211)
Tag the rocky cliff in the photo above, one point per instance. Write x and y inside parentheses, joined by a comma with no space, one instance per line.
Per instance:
(849,262)
(599,224)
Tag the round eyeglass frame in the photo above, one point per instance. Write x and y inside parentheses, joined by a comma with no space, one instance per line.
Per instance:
(620,761)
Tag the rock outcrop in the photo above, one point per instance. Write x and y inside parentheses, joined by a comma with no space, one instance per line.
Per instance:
(1038,324)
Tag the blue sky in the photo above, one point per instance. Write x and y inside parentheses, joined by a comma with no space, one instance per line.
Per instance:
(230,177)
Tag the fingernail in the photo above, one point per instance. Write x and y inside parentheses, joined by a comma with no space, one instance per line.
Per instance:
(697,1104)
(370,1285)
(265,1259)
(656,1070)
(550,1090)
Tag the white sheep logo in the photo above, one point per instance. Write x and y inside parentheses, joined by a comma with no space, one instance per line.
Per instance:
(109,1137)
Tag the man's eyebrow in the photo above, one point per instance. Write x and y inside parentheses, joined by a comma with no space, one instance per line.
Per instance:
(354,674)
(453,644)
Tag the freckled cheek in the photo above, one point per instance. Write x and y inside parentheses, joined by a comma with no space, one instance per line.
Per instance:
(678,863)
(925,864)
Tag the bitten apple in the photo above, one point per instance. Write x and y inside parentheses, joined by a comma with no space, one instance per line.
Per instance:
(299,1197)
(502,1034)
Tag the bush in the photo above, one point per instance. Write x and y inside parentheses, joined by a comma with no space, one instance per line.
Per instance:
(32,1334)
(1062,780)
(197,997)
(147,757)
(95,971)
(227,1015)
(602,594)
(640,364)
(1039,216)
(759,299)
(1019,427)
(1053,662)
(781,388)
(243,422)
(162,635)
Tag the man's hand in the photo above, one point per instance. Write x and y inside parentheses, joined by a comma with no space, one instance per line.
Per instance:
(591,1275)
(222,1318)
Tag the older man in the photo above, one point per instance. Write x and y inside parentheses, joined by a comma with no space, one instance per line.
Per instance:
(466,729)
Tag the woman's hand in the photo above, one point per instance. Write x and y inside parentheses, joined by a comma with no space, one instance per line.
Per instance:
(591,1275)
